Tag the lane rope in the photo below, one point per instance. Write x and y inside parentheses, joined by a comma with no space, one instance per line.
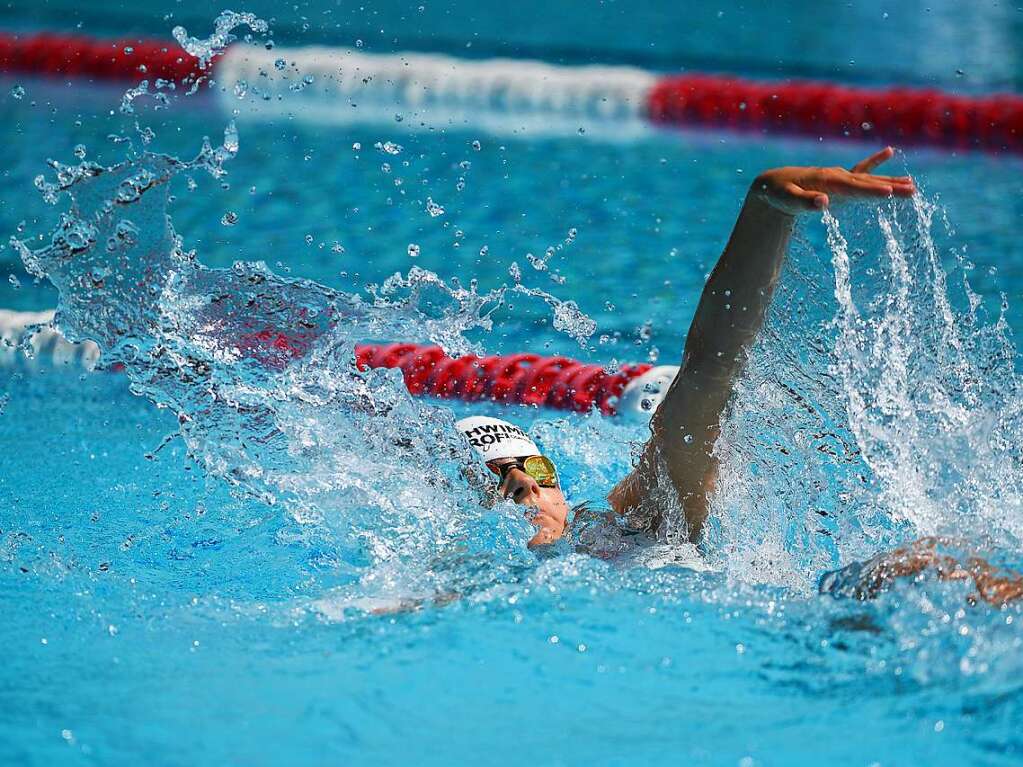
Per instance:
(329,81)
(534,380)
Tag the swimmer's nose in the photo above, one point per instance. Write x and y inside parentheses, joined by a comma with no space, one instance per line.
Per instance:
(520,487)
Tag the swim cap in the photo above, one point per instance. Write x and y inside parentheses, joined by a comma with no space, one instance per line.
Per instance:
(644,394)
(493,438)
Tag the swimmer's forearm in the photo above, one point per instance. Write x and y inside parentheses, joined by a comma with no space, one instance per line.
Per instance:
(735,298)
(728,317)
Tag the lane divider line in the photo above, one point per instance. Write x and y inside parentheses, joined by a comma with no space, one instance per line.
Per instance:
(556,382)
(318,75)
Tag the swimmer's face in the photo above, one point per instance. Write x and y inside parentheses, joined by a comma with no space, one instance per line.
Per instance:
(551,509)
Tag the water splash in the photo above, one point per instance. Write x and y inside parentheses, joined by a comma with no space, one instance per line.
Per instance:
(259,369)
(879,404)
(205,49)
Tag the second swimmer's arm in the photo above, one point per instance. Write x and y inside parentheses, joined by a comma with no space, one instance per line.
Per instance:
(727,320)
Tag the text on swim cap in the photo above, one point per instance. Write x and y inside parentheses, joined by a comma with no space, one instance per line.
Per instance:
(493,433)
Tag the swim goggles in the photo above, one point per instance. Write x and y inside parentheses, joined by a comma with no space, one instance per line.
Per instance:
(539,467)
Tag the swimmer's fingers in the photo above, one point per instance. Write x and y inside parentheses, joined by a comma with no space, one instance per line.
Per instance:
(867,165)
(866,185)
(901,186)
(862,185)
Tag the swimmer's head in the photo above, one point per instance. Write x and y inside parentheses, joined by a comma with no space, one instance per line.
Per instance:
(520,471)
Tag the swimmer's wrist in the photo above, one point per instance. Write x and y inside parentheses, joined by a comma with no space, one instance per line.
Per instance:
(762,196)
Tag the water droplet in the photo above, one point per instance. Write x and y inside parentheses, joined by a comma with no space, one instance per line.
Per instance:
(231,137)
(308,239)
(388,147)
(398,118)
(485,250)
(433,208)
(79,151)
(413,250)
(18,92)
(241,88)
(358,43)
(688,439)
(385,167)
(337,247)
(356,146)
(477,145)
(229,219)
(128,50)
(15,282)
(280,64)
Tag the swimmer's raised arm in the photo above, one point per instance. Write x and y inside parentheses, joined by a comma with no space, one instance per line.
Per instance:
(728,318)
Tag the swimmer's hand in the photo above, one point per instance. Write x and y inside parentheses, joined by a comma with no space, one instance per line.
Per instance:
(794,190)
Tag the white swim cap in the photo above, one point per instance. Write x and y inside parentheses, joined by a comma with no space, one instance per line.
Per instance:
(641,397)
(493,438)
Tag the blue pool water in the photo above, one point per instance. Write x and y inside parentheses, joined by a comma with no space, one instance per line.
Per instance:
(157,610)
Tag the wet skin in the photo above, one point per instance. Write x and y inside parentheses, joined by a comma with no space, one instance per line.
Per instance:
(550,510)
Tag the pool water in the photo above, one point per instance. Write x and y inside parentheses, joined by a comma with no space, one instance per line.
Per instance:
(156,612)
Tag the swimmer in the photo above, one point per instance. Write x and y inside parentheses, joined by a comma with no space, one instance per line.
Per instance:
(685,426)
(728,318)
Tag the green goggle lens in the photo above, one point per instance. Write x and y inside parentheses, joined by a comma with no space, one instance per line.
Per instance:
(541,468)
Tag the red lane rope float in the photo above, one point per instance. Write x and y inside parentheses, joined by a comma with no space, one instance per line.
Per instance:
(54,54)
(524,379)
(897,114)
